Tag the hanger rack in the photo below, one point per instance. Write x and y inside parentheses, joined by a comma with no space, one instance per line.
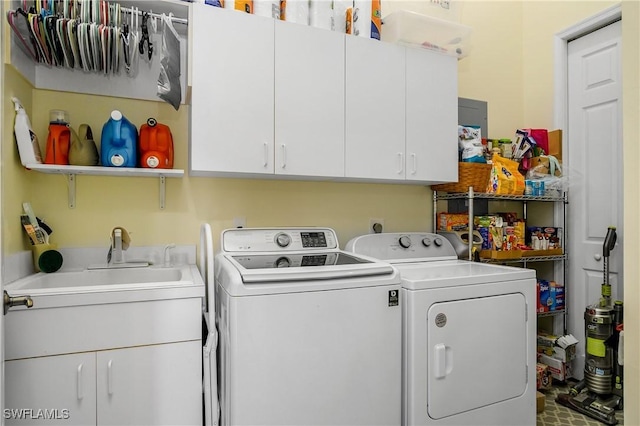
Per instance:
(156,15)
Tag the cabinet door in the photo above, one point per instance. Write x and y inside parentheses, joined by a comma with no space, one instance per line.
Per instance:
(51,390)
(232,91)
(375,109)
(432,116)
(309,101)
(150,385)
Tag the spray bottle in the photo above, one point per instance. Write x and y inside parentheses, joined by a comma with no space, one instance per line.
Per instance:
(28,145)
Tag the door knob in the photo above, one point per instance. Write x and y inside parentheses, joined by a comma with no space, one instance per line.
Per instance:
(10,302)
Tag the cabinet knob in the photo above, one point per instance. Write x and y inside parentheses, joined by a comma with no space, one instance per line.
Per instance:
(597,257)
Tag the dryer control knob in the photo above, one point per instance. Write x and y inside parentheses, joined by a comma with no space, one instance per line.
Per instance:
(283,239)
(438,241)
(404,241)
(426,242)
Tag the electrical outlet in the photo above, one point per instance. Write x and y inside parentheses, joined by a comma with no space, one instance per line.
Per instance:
(376,225)
(239,222)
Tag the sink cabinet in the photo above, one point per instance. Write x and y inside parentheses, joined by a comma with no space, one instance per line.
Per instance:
(119,363)
(146,385)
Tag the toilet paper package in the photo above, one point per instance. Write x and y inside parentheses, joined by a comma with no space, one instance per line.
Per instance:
(295,11)
(267,8)
(321,14)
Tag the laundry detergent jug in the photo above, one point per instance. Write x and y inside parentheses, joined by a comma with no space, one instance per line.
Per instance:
(156,145)
(119,142)
(58,139)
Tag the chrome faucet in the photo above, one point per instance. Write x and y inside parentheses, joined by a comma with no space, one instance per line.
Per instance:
(116,251)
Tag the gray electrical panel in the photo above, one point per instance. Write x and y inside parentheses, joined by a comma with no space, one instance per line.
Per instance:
(471,112)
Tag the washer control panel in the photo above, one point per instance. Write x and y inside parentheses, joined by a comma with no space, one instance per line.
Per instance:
(397,246)
(278,239)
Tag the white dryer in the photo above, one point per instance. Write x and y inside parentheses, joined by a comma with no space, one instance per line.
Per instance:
(469,333)
(308,334)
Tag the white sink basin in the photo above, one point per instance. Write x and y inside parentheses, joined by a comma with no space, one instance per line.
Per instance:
(98,277)
(110,285)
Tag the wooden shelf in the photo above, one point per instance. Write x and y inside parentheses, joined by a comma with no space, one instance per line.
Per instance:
(72,171)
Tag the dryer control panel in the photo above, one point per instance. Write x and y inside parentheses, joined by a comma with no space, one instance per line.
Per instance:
(421,246)
(256,240)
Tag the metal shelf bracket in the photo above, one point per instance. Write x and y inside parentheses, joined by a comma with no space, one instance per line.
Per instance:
(71,181)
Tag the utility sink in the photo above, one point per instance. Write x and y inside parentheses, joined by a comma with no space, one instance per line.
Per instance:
(99,277)
(107,285)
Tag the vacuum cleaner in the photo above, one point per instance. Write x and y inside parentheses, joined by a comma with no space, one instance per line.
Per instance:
(599,394)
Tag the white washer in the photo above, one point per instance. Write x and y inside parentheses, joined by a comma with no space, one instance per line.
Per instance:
(309,334)
(469,333)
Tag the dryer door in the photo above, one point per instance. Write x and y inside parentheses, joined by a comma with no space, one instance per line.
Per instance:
(477,353)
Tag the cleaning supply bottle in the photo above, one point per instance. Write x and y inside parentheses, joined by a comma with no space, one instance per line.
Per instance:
(118,145)
(28,146)
(59,138)
(156,145)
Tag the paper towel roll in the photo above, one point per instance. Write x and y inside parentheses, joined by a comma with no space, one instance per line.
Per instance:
(321,14)
(297,11)
(267,8)
(230,4)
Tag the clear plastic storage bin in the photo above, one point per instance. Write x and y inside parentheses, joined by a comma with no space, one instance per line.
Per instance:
(414,29)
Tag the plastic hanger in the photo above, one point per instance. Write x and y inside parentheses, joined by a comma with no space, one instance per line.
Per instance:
(19,23)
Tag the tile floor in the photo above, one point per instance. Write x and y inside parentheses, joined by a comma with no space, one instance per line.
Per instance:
(555,414)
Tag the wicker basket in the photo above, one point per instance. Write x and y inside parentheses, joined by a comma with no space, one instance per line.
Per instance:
(469,174)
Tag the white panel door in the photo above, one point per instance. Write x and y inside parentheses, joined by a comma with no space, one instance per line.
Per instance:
(150,385)
(232,91)
(375,109)
(309,101)
(594,162)
(52,390)
(477,353)
(432,116)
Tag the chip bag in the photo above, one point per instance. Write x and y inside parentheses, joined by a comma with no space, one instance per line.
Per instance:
(505,178)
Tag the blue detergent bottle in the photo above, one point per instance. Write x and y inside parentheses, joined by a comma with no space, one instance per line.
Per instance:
(119,142)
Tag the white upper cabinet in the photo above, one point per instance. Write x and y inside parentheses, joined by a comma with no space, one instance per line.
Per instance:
(232,78)
(375,109)
(432,116)
(309,101)
(278,99)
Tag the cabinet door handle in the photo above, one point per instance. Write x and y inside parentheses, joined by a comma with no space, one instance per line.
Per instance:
(266,155)
(401,163)
(110,377)
(284,156)
(414,163)
(79,377)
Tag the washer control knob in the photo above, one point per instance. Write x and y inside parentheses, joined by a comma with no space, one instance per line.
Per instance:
(405,241)
(437,241)
(283,239)
(426,242)
(283,262)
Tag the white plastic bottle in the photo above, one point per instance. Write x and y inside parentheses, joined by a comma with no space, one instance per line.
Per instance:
(28,145)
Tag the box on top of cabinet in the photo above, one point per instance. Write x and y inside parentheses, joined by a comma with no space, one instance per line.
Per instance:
(414,29)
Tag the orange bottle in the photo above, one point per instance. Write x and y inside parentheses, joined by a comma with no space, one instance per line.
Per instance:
(155,145)
(59,138)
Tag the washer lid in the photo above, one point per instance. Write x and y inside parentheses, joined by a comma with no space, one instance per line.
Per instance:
(274,267)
